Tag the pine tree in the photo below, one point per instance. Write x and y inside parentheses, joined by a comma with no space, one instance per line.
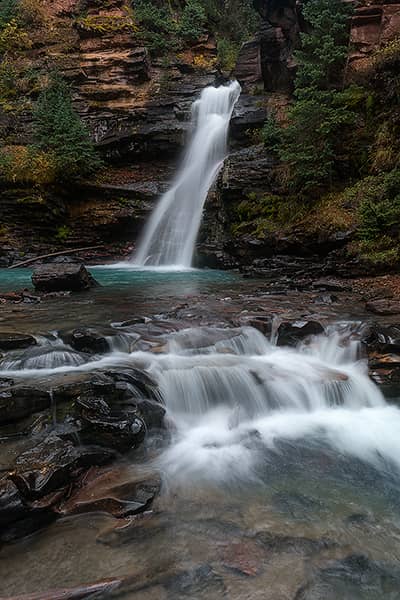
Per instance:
(59,131)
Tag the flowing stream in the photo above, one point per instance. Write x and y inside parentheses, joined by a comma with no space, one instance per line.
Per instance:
(170,235)
(280,466)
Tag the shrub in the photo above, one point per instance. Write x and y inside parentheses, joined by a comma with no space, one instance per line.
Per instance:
(379,209)
(8,10)
(157,26)
(32,12)
(103,24)
(192,21)
(59,131)
(13,38)
(227,53)
(25,165)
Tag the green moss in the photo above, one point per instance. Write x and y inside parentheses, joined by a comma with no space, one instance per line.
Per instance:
(104,24)
(260,214)
(63,233)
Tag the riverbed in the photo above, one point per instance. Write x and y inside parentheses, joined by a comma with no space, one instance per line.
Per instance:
(274,475)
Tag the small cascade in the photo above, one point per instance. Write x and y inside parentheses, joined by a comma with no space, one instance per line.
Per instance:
(234,396)
(44,357)
(170,235)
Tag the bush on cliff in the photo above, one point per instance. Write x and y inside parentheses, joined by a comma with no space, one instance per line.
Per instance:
(60,132)
(192,21)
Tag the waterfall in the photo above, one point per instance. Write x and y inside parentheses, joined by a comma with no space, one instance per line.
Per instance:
(170,235)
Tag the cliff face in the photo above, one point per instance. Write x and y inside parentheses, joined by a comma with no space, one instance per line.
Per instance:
(137,108)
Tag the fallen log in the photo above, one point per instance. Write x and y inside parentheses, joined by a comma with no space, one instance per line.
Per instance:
(72,251)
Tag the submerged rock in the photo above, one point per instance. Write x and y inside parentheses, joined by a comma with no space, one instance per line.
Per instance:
(59,277)
(355,576)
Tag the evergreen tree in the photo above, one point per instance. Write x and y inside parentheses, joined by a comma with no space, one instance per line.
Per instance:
(59,131)
(319,112)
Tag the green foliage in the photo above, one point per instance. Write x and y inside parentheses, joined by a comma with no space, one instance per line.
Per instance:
(103,24)
(58,130)
(271,133)
(260,214)
(227,53)
(157,26)
(379,209)
(324,48)
(233,20)
(8,10)
(166,26)
(320,113)
(63,233)
(192,21)
(13,38)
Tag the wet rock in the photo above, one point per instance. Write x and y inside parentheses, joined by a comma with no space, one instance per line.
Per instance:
(384,339)
(385,372)
(73,277)
(142,526)
(118,430)
(383,307)
(330,285)
(140,382)
(15,341)
(86,339)
(325,299)
(248,113)
(89,590)
(243,556)
(290,334)
(356,576)
(20,401)
(44,357)
(152,413)
(52,464)
(264,324)
(194,583)
(285,543)
(12,505)
(118,491)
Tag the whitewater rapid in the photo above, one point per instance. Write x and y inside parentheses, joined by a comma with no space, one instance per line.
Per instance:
(234,399)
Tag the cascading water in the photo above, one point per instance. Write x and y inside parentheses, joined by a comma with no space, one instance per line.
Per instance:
(234,397)
(170,235)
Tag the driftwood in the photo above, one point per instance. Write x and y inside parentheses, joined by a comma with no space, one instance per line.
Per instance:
(72,251)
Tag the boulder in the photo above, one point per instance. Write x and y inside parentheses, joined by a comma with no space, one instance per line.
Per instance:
(383,307)
(72,277)
(87,339)
(117,490)
(53,464)
(20,401)
(14,341)
(119,430)
(290,334)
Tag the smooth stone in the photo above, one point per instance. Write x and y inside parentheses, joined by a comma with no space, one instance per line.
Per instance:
(72,277)
(15,341)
